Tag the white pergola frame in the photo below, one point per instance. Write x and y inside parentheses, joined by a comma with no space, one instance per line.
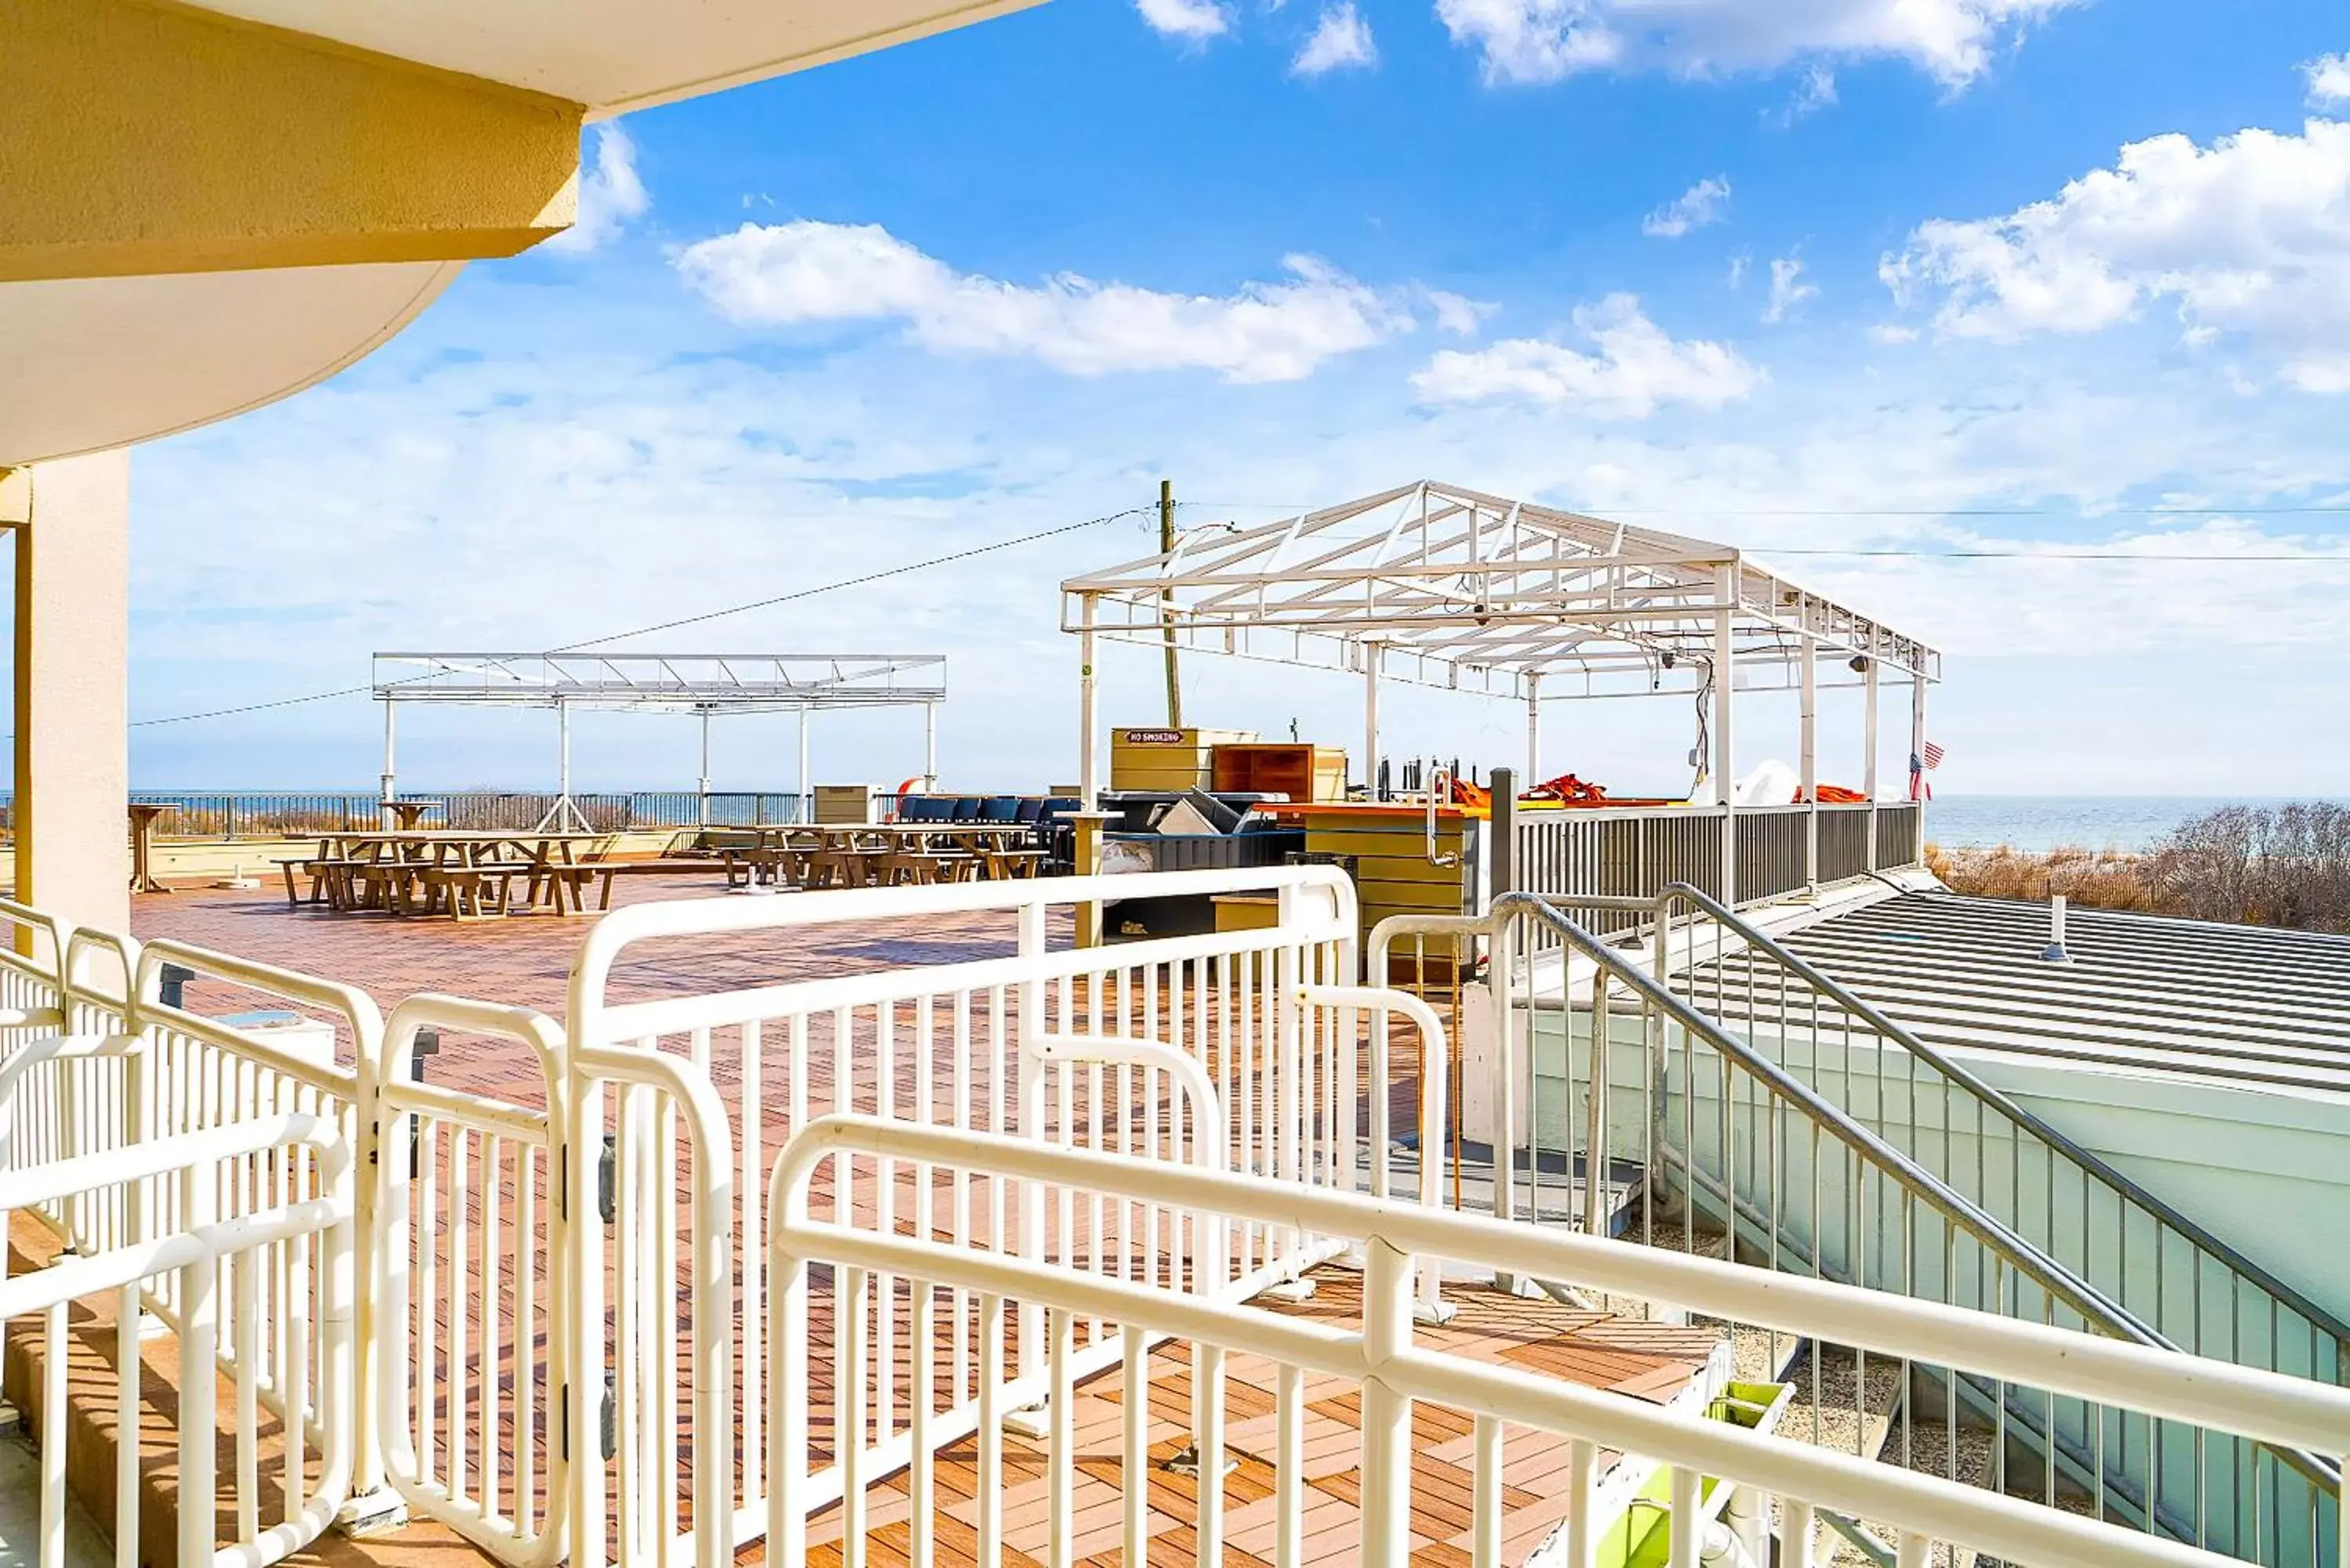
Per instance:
(707,684)
(1439,586)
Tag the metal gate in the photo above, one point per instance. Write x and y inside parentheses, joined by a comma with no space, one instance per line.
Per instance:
(473,1317)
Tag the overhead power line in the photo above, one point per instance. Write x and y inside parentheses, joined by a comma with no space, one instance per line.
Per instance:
(2315,510)
(859,581)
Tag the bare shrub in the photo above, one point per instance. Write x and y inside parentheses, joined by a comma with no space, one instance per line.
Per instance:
(2284,865)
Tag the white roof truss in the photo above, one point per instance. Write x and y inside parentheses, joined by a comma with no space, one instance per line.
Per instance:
(689,682)
(1468,591)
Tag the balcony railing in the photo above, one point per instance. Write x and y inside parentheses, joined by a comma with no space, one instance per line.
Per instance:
(1637,852)
(261,814)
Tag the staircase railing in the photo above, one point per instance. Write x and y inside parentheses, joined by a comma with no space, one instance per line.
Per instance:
(2183,1283)
(1737,956)
(1716,1134)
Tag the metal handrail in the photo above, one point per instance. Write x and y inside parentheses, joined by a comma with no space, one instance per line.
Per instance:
(1393,1372)
(1958,1074)
(2079,1295)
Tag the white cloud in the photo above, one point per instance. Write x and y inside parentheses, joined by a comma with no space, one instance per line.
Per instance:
(2329,78)
(611,196)
(1788,289)
(805,272)
(1341,41)
(1741,263)
(1195,20)
(2248,236)
(1891,335)
(1633,369)
(1544,40)
(1694,208)
(1814,92)
(1458,313)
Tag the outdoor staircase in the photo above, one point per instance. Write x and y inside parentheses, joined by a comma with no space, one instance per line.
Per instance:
(1831,1143)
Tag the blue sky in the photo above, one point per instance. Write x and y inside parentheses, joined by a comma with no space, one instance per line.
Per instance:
(1836,274)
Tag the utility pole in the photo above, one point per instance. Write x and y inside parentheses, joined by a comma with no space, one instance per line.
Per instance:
(1167,604)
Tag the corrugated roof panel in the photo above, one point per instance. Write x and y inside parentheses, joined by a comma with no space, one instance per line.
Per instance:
(2240,1003)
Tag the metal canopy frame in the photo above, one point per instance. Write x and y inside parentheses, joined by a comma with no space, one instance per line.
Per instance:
(708,684)
(1466,591)
(1440,586)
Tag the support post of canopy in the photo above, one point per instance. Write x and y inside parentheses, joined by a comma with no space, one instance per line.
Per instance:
(705,768)
(1088,775)
(1533,730)
(930,747)
(1724,680)
(1868,741)
(1918,754)
(391,735)
(807,790)
(1371,651)
(1808,784)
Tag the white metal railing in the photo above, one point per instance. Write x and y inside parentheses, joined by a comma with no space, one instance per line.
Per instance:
(1924,1513)
(301,1239)
(98,1068)
(472,1305)
(1237,1050)
(1705,1088)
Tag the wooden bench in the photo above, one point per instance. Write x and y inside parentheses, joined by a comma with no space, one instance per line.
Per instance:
(924,868)
(1012,865)
(323,876)
(472,892)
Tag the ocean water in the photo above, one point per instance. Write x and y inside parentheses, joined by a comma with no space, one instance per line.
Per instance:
(2044,821)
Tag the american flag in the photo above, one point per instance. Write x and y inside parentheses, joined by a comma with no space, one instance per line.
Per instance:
(1933,755)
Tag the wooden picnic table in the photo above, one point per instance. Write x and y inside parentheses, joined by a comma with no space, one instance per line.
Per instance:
(855,853)
(461,861)
(143,818)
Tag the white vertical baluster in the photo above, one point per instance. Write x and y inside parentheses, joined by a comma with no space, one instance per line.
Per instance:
(1687,1521)
(1485,1530)
(1134,1461)
(1582,1521)
(923,1492)
(751,1247)
(1061,1439)
(1387,1415)
(1797,1526)
(849,1307)
(990,1526)
(1289,1468)
(55,1354)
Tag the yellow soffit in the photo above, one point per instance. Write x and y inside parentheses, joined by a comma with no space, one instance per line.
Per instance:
(148,138)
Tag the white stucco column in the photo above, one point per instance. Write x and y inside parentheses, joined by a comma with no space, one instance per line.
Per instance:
(72,652)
